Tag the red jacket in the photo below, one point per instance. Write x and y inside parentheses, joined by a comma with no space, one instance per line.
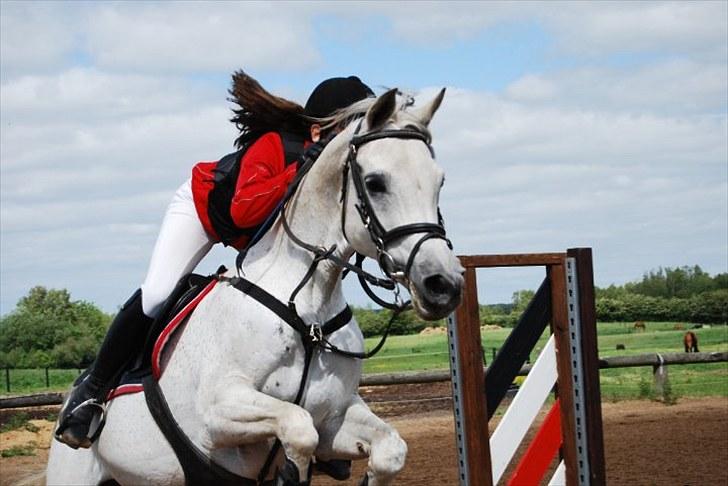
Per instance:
(261,184)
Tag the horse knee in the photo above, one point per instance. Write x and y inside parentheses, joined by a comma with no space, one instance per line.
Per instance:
(388,455)
(298,432)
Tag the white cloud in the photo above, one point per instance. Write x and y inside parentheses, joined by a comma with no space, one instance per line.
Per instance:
(201,37)
(78,94)
(675,86)
(165,37)
(36,36)
(588,28)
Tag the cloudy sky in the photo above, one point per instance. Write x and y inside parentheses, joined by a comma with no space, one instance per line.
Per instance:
(565,124)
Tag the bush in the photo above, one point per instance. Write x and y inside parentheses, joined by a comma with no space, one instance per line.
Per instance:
(48,329)
(374,322)
(709,307)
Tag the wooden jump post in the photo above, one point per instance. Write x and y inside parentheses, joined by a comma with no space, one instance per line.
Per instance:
(566,301)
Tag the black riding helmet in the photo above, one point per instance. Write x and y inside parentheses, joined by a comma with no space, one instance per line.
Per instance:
(335,93)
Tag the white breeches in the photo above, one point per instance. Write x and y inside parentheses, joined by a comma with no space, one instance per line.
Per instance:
(181,244)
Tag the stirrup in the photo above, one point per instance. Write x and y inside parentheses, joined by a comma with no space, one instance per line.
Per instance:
(96,425)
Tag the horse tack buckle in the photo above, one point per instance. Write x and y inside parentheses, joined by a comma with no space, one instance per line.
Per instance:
(315,333)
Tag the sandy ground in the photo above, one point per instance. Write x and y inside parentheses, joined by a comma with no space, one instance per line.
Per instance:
(646,443)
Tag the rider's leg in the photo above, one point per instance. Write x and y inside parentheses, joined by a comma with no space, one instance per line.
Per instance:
(181,244)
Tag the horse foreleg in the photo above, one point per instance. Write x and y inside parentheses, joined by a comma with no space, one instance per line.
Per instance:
(358,434)
(240,415)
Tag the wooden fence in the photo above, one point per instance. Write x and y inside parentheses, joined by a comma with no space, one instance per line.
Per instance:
(435,376)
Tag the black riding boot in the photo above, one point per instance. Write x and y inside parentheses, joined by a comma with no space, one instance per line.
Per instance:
(124,338)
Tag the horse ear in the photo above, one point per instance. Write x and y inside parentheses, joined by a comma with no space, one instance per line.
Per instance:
(382,109)
(426,112)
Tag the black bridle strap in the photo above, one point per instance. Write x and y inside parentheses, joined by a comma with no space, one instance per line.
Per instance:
(368,290)
(320,252)
(416,248)
(433,229)
(379,235)
(367,354)
(287,314)
(277,444)
(358,140)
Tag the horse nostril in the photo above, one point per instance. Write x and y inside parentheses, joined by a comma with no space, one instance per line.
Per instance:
(438,285)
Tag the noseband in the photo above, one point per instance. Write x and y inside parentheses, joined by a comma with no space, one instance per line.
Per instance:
(380,236)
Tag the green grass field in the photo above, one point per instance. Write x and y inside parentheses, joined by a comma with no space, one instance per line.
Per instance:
(409,353)
(429,352)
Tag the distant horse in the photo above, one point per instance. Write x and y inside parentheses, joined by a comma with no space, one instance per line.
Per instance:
(690,340)
(238,373)
(640,325)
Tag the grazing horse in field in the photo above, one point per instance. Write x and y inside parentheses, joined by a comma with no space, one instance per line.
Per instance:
(640,326)
(690,341)
(242,381)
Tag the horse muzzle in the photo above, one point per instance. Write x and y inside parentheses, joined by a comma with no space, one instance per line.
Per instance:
(436,293)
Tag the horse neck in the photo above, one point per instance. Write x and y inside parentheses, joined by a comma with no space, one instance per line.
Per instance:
(314,215)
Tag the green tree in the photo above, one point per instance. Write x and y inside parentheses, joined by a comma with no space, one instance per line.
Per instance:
(682,282)
(709,307)
(47,328)
(520,300)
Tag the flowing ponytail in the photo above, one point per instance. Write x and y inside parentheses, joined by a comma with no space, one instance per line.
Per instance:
(261,112)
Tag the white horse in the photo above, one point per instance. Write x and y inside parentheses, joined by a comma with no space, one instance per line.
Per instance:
(237,366)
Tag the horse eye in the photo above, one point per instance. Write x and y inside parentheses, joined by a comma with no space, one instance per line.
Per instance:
(375,184)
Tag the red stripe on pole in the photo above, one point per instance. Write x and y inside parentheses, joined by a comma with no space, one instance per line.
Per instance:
(542,450)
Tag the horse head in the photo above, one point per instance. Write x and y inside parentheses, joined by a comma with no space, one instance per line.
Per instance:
(392,214)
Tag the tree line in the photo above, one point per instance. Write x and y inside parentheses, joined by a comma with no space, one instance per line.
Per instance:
(48,329)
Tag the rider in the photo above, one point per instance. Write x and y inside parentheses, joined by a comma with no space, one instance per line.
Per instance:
(224,201)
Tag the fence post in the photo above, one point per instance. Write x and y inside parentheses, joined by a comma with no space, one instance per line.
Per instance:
(48,381)
(7,379)
(660,374)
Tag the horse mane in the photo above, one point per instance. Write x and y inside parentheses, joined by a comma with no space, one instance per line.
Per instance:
(260,111)
(344,116)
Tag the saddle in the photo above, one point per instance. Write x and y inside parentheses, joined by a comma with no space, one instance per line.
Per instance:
(188,292)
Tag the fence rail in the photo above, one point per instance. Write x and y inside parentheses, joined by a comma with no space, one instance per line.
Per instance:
(435,376)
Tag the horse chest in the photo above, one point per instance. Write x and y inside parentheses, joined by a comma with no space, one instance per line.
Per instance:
(331,382)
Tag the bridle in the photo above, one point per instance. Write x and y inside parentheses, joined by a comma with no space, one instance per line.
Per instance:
(380,236)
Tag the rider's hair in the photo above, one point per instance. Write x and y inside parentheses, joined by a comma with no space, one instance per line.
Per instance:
(261,112)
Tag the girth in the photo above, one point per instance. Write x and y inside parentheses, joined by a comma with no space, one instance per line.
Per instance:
(198,468)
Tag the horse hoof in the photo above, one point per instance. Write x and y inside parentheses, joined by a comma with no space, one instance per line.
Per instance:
(288,475)
(338,469)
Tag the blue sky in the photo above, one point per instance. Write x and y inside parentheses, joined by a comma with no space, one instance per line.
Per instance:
(600,124)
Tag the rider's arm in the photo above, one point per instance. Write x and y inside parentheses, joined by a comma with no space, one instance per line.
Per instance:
(262,181)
